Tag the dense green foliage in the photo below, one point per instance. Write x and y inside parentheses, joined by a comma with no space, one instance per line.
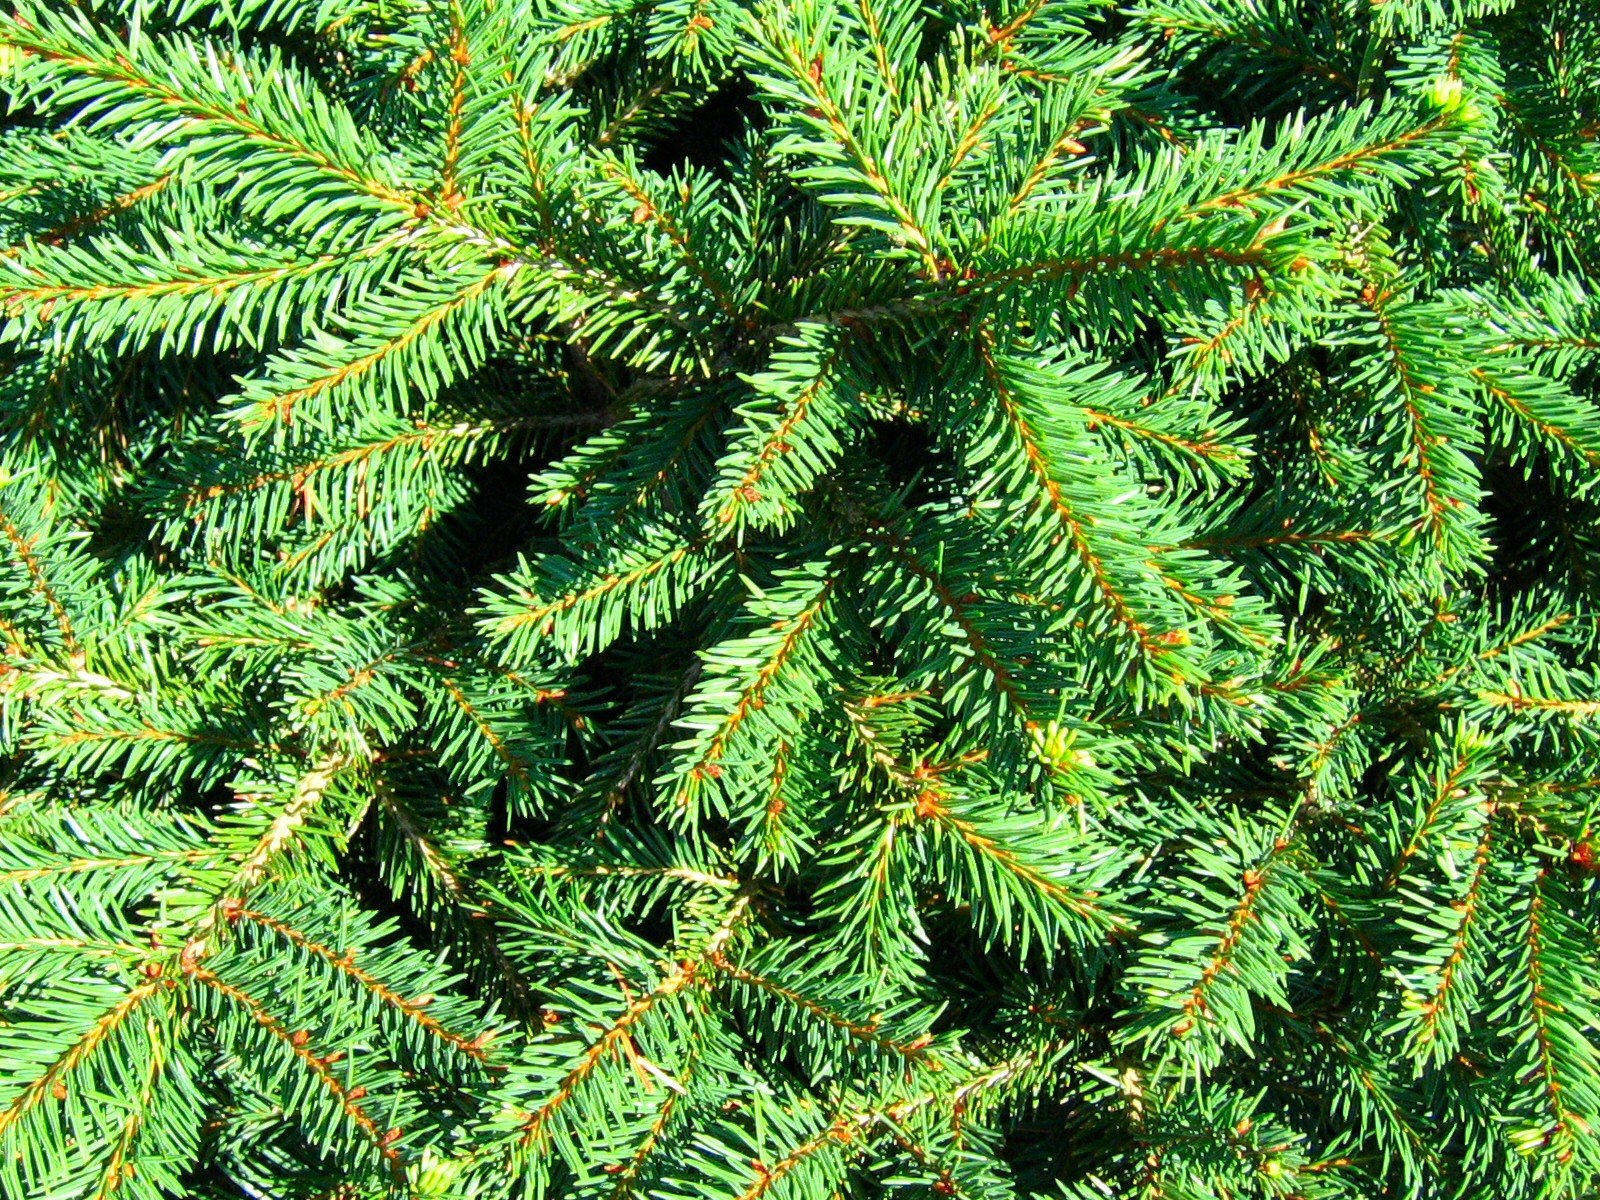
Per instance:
(799,599)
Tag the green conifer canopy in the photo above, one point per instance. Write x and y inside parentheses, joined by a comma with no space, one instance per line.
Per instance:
(799,599)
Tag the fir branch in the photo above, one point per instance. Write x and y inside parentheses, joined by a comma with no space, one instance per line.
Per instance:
(1578,710)
(344,963)
(54,1077)
(865,1032)
(1074,526)
(125,72)
(279,408)
(1433,1012)
(683,975)
(299,1046)
(24,550)
(279,834)
(752,696)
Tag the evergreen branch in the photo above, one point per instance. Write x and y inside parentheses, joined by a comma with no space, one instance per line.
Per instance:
(81,865)
(609,870)
(1446,789)
(1160,258)
(1330,537)
(776,443)
(52,1081)
(477,923)
(23,549)
(861,1031)
(1573,439)
(120,1167)
(998,671)
(1567,1124)
(516,767)
(123,71)
(1350,161)
(72,946)
(207,932)
(931,807)
(610,1039)
(1439,504)
(649,210)
(1204,446)
(1065,144)
(869,573)
(345,964)
(50,294)
(1432,1011)
(841,1132)
(775,806)
(856,1126)
(298,1045)
(811,79)
(880,51)
(537,619)
(279,408)
(633,766)
(427,438)
(356,678)
(150,733)
(461,59)
(628,1178)
(1196,1002)
(685,974)
(1519,702)
(1200,352)
(69,229)
(1002,36)
(1173,20)
(751,696)
(1073,525)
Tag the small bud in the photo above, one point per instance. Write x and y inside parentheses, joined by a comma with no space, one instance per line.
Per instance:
(1445,94)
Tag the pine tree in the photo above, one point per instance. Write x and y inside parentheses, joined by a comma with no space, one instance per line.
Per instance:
(799,598)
